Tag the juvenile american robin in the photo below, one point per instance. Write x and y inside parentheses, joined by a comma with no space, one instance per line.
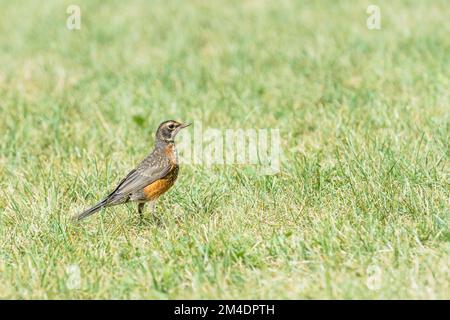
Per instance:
(151,178)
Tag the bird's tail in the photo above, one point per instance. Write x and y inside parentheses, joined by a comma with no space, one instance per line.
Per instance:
(91,210)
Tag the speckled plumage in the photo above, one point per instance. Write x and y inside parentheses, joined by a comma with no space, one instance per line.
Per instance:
(151,178)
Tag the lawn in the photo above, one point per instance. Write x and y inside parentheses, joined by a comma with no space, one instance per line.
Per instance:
(359,209)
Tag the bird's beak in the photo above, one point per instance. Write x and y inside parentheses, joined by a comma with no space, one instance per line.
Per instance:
(184,125)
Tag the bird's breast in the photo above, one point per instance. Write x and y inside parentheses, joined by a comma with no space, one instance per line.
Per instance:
(171,153)
(160,186)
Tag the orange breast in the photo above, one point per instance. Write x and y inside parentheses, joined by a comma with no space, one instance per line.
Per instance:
(171,153)
(157,188)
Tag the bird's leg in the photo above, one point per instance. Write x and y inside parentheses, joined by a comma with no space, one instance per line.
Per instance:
(153,211)
(153,206)
(141,209)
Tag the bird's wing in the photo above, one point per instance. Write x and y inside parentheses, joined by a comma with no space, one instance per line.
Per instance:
(138,179)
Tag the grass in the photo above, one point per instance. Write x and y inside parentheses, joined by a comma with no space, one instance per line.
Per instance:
(361,206)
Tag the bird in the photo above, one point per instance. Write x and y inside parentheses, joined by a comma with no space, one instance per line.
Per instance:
(151,178)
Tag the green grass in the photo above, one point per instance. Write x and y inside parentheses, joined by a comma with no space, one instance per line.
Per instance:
(364,121)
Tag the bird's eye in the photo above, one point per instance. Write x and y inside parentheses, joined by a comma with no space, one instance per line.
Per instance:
(171,126)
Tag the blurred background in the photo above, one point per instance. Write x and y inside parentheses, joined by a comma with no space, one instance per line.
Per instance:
(363,116)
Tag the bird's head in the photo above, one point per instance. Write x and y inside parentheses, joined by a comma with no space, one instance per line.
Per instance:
(168,130)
